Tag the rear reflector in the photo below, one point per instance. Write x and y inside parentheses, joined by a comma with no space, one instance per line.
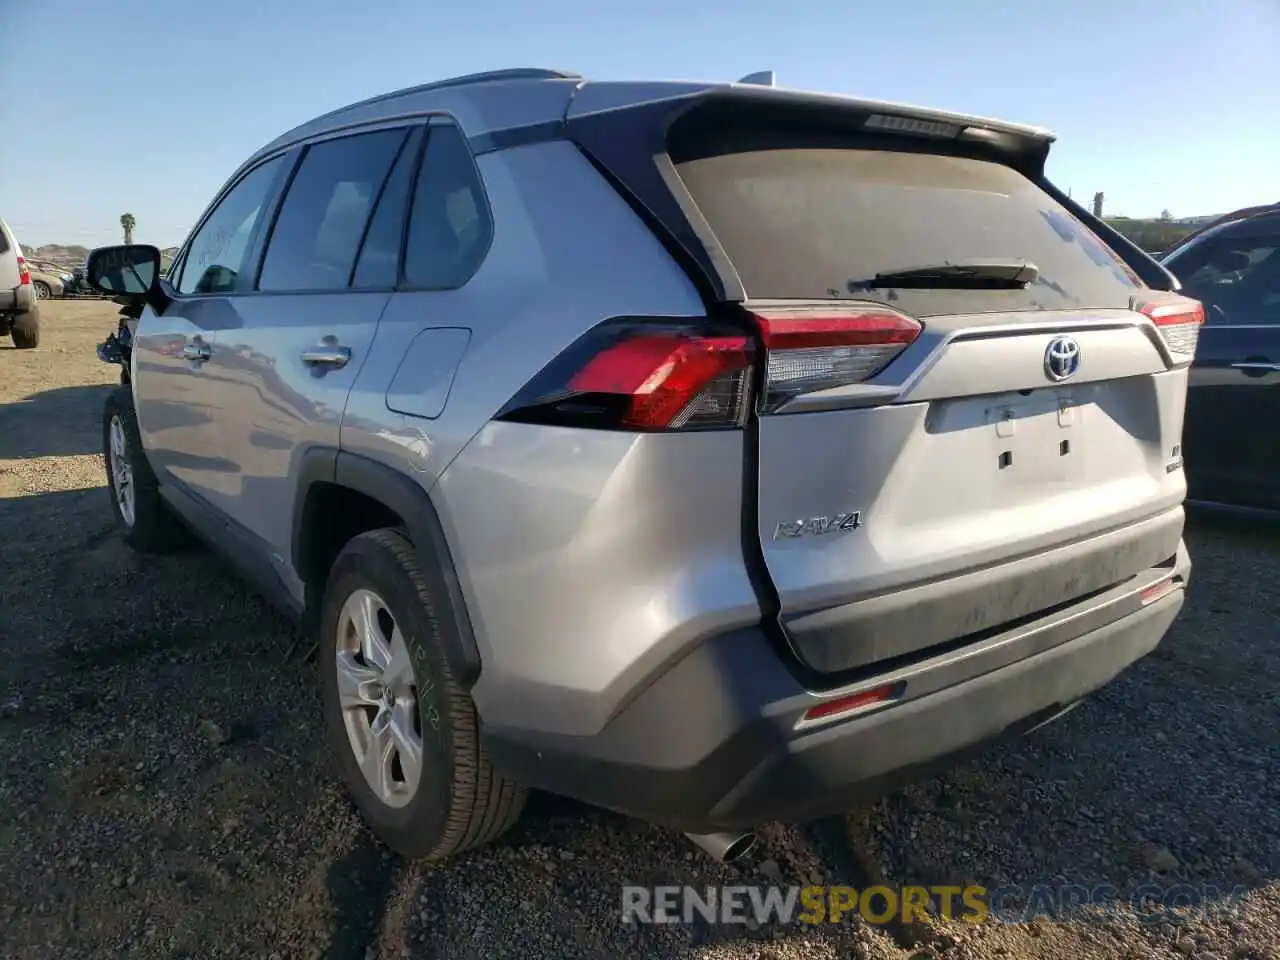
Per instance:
(822,348)
(1157,590)
(1179,319)
(642,375)
(842,706)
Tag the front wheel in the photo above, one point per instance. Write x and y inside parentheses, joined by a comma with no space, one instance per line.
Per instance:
(405,733)
(43,291)
(142,515)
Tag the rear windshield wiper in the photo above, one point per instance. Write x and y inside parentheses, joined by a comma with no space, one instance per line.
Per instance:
(957,275)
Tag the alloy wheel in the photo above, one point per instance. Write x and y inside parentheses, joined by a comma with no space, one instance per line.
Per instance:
(377,692)
(121,470)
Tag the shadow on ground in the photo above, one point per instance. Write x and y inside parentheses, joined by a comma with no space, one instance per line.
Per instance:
(64,421)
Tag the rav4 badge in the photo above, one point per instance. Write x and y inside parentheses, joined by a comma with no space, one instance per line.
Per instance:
(817,526)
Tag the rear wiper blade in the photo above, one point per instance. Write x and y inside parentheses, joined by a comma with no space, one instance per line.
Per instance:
(958,275)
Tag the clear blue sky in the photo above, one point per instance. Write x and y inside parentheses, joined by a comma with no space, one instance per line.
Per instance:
(147,107)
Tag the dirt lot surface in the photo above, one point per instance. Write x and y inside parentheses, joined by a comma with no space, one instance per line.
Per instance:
(165,792)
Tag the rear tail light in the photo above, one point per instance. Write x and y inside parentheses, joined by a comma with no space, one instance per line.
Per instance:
(827,347)
(644,376)
(1178,318)
(24,274)
(697,374)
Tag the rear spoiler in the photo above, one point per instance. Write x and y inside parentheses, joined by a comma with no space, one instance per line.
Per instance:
(629,131)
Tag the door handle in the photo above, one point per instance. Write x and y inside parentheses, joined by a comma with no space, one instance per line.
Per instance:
(1257,367)
(197,351)
(327,354)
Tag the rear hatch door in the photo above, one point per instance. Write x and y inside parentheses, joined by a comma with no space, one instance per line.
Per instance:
(965,419)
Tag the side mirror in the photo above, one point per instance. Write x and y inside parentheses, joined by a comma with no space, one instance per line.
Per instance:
(125,271)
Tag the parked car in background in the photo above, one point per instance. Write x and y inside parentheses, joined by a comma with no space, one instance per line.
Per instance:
(1232,428)
(47,284)
(77,284)
(614,445)
(19,309)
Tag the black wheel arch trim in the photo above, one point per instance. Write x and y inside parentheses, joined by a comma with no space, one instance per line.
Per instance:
(406,497)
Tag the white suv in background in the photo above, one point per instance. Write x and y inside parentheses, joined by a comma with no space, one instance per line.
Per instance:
(19,314)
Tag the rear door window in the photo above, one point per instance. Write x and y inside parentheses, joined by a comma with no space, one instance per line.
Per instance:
(322,221)
(817,222)
(1237,278)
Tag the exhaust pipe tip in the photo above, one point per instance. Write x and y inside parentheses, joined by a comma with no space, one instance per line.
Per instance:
(724,847)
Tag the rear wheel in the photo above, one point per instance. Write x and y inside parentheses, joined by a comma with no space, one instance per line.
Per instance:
(43,292)
(26,330)
(405,733)
(146,521)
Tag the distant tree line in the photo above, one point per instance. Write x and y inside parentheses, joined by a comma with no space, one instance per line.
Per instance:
(1152,236)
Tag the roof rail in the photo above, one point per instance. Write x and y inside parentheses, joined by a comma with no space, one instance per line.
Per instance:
(490,76)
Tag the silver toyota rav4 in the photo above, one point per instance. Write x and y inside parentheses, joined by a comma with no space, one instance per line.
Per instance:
(713,453)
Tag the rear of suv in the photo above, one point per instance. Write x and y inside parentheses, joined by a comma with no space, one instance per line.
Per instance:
(714,453)
(19,312)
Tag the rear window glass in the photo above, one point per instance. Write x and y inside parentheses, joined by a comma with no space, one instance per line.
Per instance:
(814,223)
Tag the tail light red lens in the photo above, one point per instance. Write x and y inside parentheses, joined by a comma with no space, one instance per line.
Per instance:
(823,348)
(1179,319)
(24,273)
(643,376)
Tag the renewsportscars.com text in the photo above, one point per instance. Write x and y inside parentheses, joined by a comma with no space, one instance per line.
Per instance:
(1178,903)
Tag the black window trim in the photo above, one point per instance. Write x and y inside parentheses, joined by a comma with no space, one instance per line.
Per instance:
(414,141)
(484,207)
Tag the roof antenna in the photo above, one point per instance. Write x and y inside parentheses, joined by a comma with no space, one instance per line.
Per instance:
(763,78)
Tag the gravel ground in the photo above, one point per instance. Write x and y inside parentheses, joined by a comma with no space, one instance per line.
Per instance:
(165,792)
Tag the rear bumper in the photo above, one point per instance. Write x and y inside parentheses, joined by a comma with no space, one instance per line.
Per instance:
(19,299)
(899,622)
(713,742)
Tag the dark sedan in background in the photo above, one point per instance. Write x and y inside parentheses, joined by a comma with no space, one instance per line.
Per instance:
(1231,437)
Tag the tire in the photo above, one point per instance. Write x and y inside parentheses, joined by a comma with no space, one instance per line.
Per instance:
(146,521)
(26,330)
(459,800)
(43,290)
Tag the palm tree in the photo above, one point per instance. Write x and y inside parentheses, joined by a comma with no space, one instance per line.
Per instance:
(128,222)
